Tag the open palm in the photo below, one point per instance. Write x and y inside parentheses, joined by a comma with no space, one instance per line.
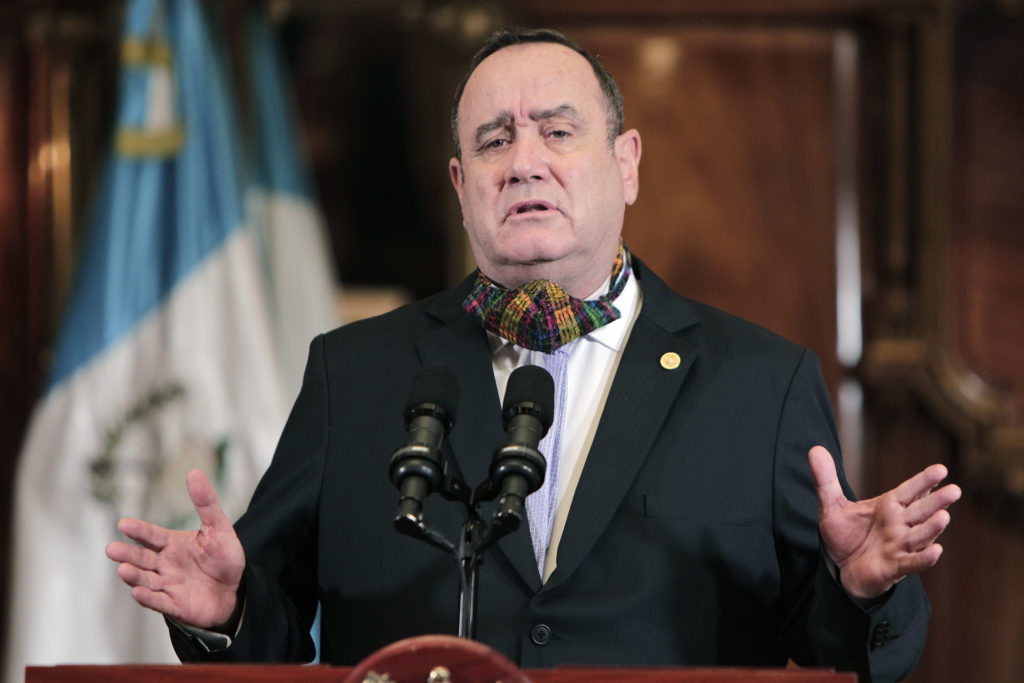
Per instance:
(878,541)
(191,576)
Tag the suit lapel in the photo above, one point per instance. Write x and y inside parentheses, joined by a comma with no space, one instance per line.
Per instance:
(640,397)
(461,344)
(641,394)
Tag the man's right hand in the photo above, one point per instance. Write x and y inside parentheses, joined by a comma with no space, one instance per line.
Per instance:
(191,576)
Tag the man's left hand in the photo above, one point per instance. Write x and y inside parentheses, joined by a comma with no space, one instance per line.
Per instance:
(876,542)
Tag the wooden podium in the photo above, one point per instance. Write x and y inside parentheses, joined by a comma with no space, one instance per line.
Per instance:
(421,660)
(321,674)
(287,673)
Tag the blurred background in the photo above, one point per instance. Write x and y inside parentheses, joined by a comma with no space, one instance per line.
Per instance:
(848,173)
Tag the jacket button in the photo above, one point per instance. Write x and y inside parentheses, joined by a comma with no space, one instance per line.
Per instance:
(879,635)
(540,634)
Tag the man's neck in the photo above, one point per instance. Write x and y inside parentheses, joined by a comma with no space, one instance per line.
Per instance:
(580,285)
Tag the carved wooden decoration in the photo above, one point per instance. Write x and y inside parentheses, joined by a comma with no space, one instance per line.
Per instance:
(946,325)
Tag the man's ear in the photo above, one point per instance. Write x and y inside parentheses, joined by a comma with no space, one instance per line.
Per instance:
(627,153)
(455,171)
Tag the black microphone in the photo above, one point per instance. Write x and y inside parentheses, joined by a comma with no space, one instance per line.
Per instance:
(415,468)
(518,468)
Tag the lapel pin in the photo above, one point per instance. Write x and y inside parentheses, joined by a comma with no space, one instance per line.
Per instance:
(670,360)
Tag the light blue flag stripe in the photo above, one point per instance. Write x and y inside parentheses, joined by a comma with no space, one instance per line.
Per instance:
(278,166)
(157,216)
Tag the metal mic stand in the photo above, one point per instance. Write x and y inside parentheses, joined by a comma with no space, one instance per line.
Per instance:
(476,537)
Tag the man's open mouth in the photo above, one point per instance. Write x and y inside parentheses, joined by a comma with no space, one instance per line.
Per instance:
(529,207)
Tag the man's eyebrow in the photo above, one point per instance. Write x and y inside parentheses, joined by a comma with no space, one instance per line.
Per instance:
(502,120)
(506,118)
(555,112)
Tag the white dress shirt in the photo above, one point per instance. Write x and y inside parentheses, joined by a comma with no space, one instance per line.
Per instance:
(592,363)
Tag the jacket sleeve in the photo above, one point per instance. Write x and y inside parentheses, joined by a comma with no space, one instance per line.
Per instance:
(824,627)
(279,534)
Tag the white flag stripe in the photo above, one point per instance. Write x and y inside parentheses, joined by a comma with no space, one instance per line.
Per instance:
(70,605)
(300,275)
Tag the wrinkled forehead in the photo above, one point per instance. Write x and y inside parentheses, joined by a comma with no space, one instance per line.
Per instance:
(531,76)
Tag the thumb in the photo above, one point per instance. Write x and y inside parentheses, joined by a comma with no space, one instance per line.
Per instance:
(826,480)
(204,498)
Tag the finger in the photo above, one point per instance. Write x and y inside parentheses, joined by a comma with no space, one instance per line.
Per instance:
(925,507)
(119,551)
(134,576)
(136,555)
(920,484)
(148,535)
(826,480)
(204,498)
(918,562)
(154,600)
(924,534)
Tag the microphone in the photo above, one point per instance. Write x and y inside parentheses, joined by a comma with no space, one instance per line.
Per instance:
(518,468)
(415,468)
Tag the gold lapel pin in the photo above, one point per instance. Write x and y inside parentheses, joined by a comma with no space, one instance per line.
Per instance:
(670,360)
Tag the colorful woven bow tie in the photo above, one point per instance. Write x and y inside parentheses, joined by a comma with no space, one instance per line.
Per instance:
(540,315)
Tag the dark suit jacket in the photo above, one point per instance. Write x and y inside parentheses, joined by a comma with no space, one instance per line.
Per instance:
(692,537)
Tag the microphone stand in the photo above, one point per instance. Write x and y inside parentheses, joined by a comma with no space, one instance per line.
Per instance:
(476,538)
(517,469)
(468,555)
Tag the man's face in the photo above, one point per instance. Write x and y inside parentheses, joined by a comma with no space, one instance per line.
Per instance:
(543,193)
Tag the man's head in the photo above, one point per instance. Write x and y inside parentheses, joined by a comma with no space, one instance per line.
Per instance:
(542,172)
(507,37)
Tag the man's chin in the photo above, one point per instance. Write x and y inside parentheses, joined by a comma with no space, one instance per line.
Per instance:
(533,259)
(532,244)
(513,273)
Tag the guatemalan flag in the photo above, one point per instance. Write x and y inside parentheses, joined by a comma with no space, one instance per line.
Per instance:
(292,236)
(171,353)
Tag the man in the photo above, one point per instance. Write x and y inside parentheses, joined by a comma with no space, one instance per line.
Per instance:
(692,512)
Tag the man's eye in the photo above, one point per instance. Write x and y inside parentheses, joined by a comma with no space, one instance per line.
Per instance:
(495,144)
(559,134)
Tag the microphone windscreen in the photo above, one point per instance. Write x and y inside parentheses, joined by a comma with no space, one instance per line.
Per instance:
(532,384)
(435,384)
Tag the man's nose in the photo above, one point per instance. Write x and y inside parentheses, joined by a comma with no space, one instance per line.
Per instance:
(528,160)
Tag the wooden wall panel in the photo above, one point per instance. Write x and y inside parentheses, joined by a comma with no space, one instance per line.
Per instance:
(977,596)
(56,86)
(987,244)
(979,579)
(737,191)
